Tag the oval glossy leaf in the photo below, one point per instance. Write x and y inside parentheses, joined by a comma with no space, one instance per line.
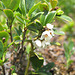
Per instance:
(65,18)
(9,13)
(18,31)
(4,35)
(11,4)
(33,8)
(20,19)
(49,17)
(1,49)
(29,4)
(22,7)
(59,33)
(42,19)
(47,67)
(37,62)
(32,27)
(36,16)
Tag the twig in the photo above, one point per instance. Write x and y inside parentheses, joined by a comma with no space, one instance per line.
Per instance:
(3,68)
(11,34)
(25,29)
(26,71)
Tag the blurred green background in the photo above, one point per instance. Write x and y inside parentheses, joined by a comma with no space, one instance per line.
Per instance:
(68,6)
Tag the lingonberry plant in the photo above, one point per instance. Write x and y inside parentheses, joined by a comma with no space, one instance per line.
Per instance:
(29,27)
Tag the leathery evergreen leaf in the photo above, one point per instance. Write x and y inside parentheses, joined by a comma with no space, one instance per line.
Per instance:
(4,35)
(9,13)
(11,4)
(1,49)
(65,18)
(59,33)
(33,8)
(49,17)
(42,19)
(22,7)
(36,16)
(29,4)
(37,62)
(46,67)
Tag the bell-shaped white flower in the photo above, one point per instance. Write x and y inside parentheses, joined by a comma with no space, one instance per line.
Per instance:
(45,44)
(49,26)
(37,43)
(51,32)
(46,35)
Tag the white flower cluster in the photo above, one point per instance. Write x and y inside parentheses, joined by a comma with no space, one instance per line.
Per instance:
(45,37)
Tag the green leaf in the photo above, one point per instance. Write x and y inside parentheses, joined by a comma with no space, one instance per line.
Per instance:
(32,27)
(13,67)
(36,16)
(54,3)
(16,38)
(59,33)
(66,48)
(9,13)
(46,67)
(49,17)
(65,18)
(69,62)
(45,73)
(57,43)
(29,4)
(71,45)
(66,55)
(39,26)
(42,19)
(5,48)
(59,12)
(1,49)
(4,35)
(72,52)
(33,8)
(1,62)
(1,6)
(20,19)
(19,30)
(43,6)
(1,28)
(10,44)
(22,7)
(37,62)
(11,4)
(39,56)
(28,48)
